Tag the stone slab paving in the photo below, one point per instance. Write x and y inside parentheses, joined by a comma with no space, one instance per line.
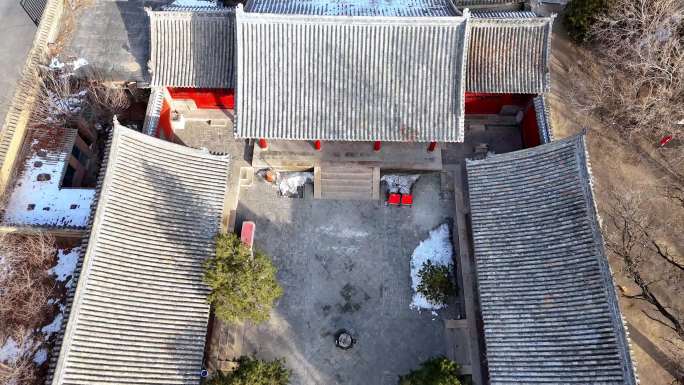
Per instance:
(343,264)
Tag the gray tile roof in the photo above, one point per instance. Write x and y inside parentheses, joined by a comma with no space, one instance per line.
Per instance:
(193,48)
(466,3)
(509,54)
(139,313)
(549,307)
(309,77)
(494,14)
(354,8)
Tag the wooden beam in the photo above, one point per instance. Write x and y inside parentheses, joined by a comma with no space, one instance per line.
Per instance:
(83,147)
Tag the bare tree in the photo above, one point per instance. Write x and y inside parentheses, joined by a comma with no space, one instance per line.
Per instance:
(65,98)
(640,44)
(630,237)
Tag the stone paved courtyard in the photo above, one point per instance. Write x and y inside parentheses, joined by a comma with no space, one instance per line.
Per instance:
(342,264)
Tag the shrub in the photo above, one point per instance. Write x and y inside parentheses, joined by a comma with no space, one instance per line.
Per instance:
(244,286)
(251,371)
(581,15)
(435,283)
(435,371)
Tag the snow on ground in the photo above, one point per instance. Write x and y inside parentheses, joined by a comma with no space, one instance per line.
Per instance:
(289,182)
(66,264)
(438,249)
(401,184)
(10,351)
(55,64)
(54,326)
(37,198)
(40,357)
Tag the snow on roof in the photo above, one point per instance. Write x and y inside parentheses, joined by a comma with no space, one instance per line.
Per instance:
(37,198)
(354,7)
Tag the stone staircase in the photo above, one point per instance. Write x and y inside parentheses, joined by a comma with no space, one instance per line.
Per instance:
(347,182)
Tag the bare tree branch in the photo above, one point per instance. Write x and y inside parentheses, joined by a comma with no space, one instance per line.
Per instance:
(629,238)
(639,82)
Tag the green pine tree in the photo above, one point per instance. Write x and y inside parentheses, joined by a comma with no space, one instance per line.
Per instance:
(580,15)
(435,371)
(435,283)
(251,371)
(244,286)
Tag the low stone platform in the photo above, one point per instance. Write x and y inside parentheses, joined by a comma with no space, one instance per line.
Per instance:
(301,155)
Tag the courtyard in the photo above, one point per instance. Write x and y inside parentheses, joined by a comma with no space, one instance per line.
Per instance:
(342,265)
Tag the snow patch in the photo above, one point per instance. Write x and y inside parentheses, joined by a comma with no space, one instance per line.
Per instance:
(37,198)
(10,351)
(78,63)
(438,249)
(40,357)
(66,264)
(289,182)
(401,184)
(56,64)
(70,104)
(55,325)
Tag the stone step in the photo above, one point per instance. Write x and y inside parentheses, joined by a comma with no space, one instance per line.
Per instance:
(346,182)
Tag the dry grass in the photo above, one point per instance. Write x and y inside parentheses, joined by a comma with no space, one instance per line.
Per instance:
(25,288)
(25,285)
(22,371)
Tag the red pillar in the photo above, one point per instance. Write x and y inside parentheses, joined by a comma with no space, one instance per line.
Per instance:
(317,145)
(431,146)
(377,145)
(262,144)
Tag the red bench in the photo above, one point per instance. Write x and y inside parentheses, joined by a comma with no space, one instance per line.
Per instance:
(406,199)
(247,234)
(394,199)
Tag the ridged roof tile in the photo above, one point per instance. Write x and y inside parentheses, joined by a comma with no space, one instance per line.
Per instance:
(139,312)
(193,48)
(354,8)
(509,54)
(549,307)
(350,78)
